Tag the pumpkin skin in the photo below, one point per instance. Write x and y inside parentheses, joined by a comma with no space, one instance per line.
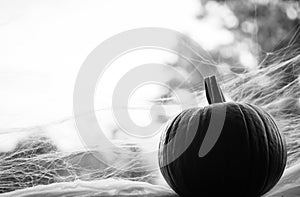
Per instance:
(248,158)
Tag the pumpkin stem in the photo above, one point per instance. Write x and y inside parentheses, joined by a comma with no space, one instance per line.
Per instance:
(213,92)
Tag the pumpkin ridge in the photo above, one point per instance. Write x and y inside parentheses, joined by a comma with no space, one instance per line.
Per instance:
(273,166)
(194,144)
(194,113)
(262,189)
(284,155)
(185,162)
(282,147)
(165,141)
(250,158)
(171,173)
(269,183)
(266,185)
(254,142)
(181,162)
(176,122)
(281,167)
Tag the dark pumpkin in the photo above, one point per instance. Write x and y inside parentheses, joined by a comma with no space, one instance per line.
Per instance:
(247,159)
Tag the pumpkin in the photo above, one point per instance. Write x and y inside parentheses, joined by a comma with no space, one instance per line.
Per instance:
(245,158)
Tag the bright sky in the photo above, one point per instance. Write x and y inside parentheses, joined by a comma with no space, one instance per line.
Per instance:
(44,43)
